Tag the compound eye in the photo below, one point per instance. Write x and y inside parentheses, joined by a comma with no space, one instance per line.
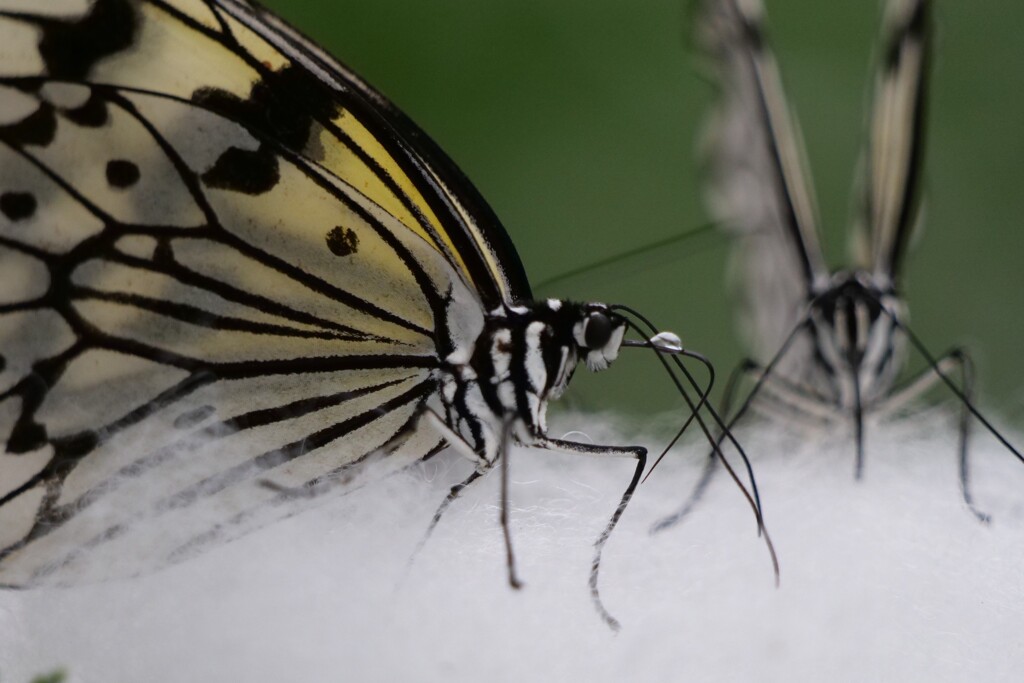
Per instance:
(598,330)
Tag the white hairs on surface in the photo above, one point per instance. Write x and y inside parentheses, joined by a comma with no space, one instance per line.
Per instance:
(886,579)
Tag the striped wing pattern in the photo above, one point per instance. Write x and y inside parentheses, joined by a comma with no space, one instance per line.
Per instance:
(760,190)
(894,159)
(221,265)
(758,186)
(826,345)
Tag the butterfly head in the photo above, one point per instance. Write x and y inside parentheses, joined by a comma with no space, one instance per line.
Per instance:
(598,333)
(600,329)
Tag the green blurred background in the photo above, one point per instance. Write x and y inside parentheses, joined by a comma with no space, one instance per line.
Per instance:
(577,120)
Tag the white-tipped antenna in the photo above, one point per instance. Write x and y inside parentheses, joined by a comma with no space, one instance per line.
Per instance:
(669,342)
(666,342)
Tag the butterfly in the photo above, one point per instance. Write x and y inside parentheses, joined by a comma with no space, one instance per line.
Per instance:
(829,345)
(235,276)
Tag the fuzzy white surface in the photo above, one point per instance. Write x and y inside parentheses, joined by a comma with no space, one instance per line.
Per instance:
(886,579)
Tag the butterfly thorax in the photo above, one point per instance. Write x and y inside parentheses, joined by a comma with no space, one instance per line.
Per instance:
(853,324)
(524,357)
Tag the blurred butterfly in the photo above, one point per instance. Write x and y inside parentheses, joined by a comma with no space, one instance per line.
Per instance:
(234,276)
(829,344)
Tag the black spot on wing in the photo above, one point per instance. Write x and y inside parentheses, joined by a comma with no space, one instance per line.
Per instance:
(71,48)
(92,114)
(249,172)
(38,128)
(342,241)
(122,173)
(73,448)
(283,106)
(27,436)
(17,206)
(3,362)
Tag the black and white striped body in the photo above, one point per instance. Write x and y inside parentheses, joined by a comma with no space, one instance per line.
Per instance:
(858,352)
(524,357)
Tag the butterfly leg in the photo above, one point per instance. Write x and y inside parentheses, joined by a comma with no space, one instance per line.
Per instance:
(793,396)
(957,359)
(510,558)
(483,465)
(637,452)
(967,383)
(448,500)
(803,402)
(858,426)
(796,399)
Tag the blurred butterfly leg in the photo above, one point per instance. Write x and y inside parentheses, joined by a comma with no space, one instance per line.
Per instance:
(763,382)
(637,452)
(968,405)
(459,444)
(785,400)
(710,465)
(967,382)
(858,426)
(922,384)
(752,496)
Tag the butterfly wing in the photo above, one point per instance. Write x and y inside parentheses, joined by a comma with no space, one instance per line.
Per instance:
(758,188)
(225,260)
(894,161)
(480,239)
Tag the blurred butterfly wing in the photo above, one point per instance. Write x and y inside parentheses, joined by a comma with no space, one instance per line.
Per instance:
(758,188)
(894,164)
(221,266)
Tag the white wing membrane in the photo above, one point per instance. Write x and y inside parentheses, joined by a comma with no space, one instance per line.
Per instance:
(758,185)
(202,466)
(892,186)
